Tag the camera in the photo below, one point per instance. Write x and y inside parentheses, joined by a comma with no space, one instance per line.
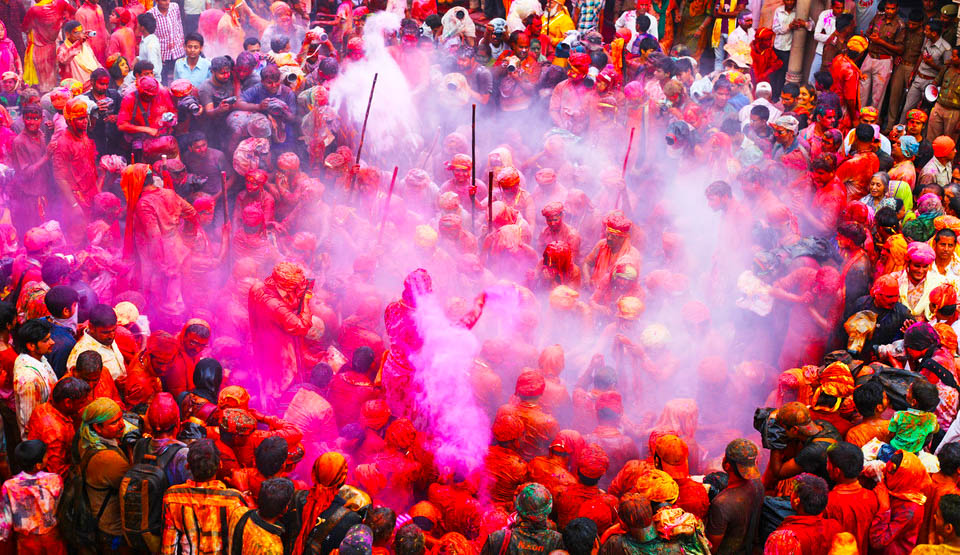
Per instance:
(451,86)
(189,104)
(591,79)
(511,67)
(91,33)
(291,78)
(230,99)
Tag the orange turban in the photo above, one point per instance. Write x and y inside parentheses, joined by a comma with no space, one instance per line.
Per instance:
(375,414)
(233,397)
(75,108)
(657,486)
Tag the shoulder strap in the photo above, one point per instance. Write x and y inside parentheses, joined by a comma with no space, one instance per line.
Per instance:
(236,544)
(83,477)
(505,546)
(169,452)
(323,529)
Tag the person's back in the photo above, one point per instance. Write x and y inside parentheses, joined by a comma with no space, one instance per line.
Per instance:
(29,502)
(849,503)
(531,535)
(256,531)
(195,513)
(734,516)
(812,529)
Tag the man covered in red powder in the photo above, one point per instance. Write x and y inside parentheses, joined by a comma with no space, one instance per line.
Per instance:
(354,385)
(558,230)
(73,156)
(144,372)
(504,469)
(598,266)
(538,426)
(280,311)
(459,183)
(618,447)
(672,456)
(191,344)
(591,466)
(552,470)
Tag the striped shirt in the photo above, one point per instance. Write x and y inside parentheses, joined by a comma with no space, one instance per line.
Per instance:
(589,15)
(170,32)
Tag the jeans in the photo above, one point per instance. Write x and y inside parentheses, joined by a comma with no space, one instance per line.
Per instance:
(719,54)
(815,67)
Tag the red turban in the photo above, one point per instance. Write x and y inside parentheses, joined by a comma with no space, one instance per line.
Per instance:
(530,384)
(238,422)
(204,203)
(551,360)
(288,161)
(36,239)
(233,397)
(375,414)
(257,176)
(599,512)
(401,434)
(508,178)
(507,428)
(552,209)
(163,414)
(288,276)
(942,295)
(617,223)
(148,85)
(75,108)
(460,162)
(546,176)
(162,346)
(593,462)
(580,61)
(305,241)
(180,88)
(610,400)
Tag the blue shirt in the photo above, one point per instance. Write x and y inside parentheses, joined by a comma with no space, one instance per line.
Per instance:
(197,75)
(63,342)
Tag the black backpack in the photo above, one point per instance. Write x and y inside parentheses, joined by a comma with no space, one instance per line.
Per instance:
(141,496)
(78,525)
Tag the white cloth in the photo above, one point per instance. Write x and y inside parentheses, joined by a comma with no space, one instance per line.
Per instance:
(112,357)
(781,26)
(826,25)
(744,114)
(150,51)
(33,381)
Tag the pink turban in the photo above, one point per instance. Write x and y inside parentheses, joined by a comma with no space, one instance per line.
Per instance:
(920,253)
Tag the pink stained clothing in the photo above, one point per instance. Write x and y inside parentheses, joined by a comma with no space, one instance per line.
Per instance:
(397,375)
(572,104)
(42,23)
(76,61)
(156,225)
(74,161)
(310,411)
(9,57)
(123,42)
(904,171)
(91,17)
(278,331)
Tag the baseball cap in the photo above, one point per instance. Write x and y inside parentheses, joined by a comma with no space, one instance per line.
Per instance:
(673,452)
(796,414)
(743,453)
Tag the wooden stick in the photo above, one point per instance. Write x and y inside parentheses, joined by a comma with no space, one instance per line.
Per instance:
(626,159)
(473,168)
(223,191)
(386,205)
(363,132)
(489,201)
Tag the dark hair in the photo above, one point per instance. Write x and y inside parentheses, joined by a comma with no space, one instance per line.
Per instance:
(643,24)
(953,203)
(8,314)
(945,232)
(844,20)
(278,43)
(935,25)
(409,540)
(717,481)
(203,458)
(250,41)
(666,65)
(89,362)
(823,77)
(362,360)
(98,73)
(321,375)
(867,396)
(915,15)
(648,43)
(29,453)
(719,189)
(199,330)
(274,497)
(148,22)
(760,111)
(853,231)
(949,457)
(102,316)
(886,217)
(195,37)
(864,133)
(579,536)
(70,388)
(812,458)
(142,66)
(791,89)
(32,331)
(220,63)
(812,493)
(605,414)
(194,137)
(382,521)
(847,457)
(950,510)
(730,126)
(926,395)
(605,378)
(270,455)
(36,110)
(69,26)
(635,511)
(433,21)
(270,73)
(54,269)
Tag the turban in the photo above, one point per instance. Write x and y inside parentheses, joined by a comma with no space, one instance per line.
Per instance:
(551,360)
(180,88)
(36,239)
(869,111)
(909,480)
(113,58)
(453,543)
(844,544)
(460,162)
(920,253)
(204,203)
(238,422)
(563,297)
(552,209)
(148,85)
(288,276)
(305,241)
(258,177)
(617,223)
(593,462)
(162,346)
(610,400)
(259,127)
(355,44)
(633,90)
(530,384)
(280,8)
(580,61)
(448,201)
(920,336)
(629,308)
(533,502)
(886,285)
(546,176)
(782,542)
(948,337)
(941,296)
(450,222)
(916,115)
(124,15)
(657,486)
(417,177)
(673,454)
(126,312)
(425,510)
(358,541)
(163,413)
(59,98)
(425,236)
(909,146)
(507,427)
(836,380)
(375,414)
(233,397)
(857,43)
(107,203)
(598,511)
(625,270)
(288,161)
(655,335)
(330,470)
(369,175)
(943,146)
(75,108)
(333,160)
(401,434)
(99,411)
(508,178)
(789,123)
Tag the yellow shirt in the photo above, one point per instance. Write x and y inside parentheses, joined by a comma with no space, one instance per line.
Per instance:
(557,25)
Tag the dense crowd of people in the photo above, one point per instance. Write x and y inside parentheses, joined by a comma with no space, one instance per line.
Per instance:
(479,278)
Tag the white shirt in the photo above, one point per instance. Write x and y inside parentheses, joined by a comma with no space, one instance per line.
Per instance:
(150,51)
(33,381)
(826,25)
(194,7)
(739,35)
(111,356)
(781,26)
(744,113)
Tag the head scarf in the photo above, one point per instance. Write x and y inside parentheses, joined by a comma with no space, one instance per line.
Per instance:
(941,296)
(163,414)
(909,146)
(162,346)
(765,60)
(99,411)
(948,337)
(288,276)
(453,543)
(551,361)
(929,206)
(920,253)
(132,184)
(857,43)
(907,481)
(329,473)
(657,486)
(896,247)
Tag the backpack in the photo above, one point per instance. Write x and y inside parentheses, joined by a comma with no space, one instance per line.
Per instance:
(76,520)
(141,496)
